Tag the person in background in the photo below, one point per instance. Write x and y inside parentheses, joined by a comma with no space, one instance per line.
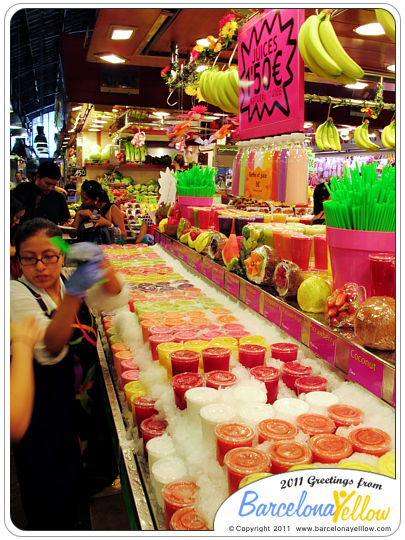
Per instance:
(16,213)
(321,194)
(24,335)
(97,218)
(178,162)
(29,195)
(66,451)
(53,205)
(145,235)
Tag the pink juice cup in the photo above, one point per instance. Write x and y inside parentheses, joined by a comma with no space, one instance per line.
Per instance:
(183,382)
(303,385)
(187,335)
(251,355)
(382,274)
(220,379)
(209,335)
(320,251)
(215,358)
(270,376)
(184,361)
(232,435)
(286,352)
(160,329)
(292,371)
(238,334)
(155,340)
(286,245)
(119,356)
(143,407)
(127,365)
(152,427)
(277,241)
(129,376)
(301,249)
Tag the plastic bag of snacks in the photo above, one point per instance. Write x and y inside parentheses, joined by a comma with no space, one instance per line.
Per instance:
(374,323)
(342,304)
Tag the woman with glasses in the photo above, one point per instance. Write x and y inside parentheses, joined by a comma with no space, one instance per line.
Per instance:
(49,455)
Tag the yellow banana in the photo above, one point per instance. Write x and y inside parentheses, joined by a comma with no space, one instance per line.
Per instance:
(358,140)
(333,136)
(365,137)
(231,95)
(389,135)
(203,84)
(334,48)
(234,79)
(387,21)
(318,137)
(325,137)
(316,50)
(385,140)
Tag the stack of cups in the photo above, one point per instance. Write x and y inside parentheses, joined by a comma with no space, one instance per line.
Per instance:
(163,472)
(177,495)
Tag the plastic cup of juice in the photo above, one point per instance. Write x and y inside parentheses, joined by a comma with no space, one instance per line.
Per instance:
(253,339)
(382,274)
(225,341)
(197,345)
(345,415)
(209,335)
(251,355)
(196,399)
(145,325)
(274,429)
(183,382)
(286,352)
(232,435)
(151,427)
(177,495)
(160,447)
(321,400)
(301,245)
(278,242)
(242,461)
(119,356)
(372,441)
(291,371)
(286,454)
(303,385)
(220,379)
(131,375)
(215,358)
(320,251)
(181,337)
(164,350)
(290,407)
(155,340)
(210,416)
(187,519)
(252,478)
(184,361)
(160,329)
(315,424)
(237,334)
(244,393)
(330,448)
(128,365)
(143,407)
(286,245)
(204,216)
(163,472)
(253,413)
(270,376)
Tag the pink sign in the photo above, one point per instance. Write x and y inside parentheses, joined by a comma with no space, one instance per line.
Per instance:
(183,253)
(252,298)
(232,284)
(271,74)
(207,268)
(366,370)
(218,275)
(156,235)
(175,249)
(291,323)
(322,342)
(271,310)
(194,260)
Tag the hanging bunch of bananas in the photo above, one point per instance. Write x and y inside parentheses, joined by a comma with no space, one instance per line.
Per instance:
(387,21)
(323,53)
(327,136)
(362,138)
(221,88)
(388,136)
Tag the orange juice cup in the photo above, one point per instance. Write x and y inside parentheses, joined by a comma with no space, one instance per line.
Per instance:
(315,424)
(372,441)
(330,448)
(286,454)
(187,519)
(240,462)
(177,495)
(345,415)
(274,429)
(225,319)
(232,435)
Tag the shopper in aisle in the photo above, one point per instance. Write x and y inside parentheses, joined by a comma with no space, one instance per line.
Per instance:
(53,204)
(29,195)
(17,211)
(67,406)
(145,235)
(320,194)
(97,220)
(178,162)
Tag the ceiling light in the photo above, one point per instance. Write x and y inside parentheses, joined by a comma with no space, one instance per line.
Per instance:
(161,114)
(391,67)
(110,57)
(15,121)
(209,118)
(77,108)
(356,86)
(308,124)
(121,32)
(94,129)
(203,42)
(99,121)
(372,29)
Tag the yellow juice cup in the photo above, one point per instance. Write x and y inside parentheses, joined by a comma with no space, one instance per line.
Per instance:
(256,340)
(164,350)
(279,218)
(197,345)
(134,389)
(386,464)
(226,341)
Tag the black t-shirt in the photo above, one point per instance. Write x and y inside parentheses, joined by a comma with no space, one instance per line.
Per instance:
(53,207)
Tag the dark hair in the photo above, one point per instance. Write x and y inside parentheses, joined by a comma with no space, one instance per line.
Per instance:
(26,193)
(320,194)
(179,159)
(15,206)
(32,227)
(49,169)
(93,189)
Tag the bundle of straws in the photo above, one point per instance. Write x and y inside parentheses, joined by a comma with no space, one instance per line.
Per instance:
(196,182)
(361,201)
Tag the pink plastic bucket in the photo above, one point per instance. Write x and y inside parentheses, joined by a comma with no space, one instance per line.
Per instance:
(349,251)
(189,202)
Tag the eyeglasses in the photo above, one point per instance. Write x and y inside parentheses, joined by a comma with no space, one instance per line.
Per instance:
(46,259)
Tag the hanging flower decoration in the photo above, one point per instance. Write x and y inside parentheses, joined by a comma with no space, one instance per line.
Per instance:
(138,139)
(195,113)
(378,106)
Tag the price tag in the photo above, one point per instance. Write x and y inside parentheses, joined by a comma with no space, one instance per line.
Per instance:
(218,274)
(271,310)
(79,171)
(252,298)
(258,184)
(322,342)
(140,198)
(152,199)
(366,370)
(291,323)
(207,268)
(156,235)
(175,248)
(232,284)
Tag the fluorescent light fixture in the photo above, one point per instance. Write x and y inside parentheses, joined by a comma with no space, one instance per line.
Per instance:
(372,135)
(161,114)
(99,121)
(111,58)
(210,118)
(77,108)
(203,42)
(356,86)
(201,68)
(71,131)
(372,29)
(121,33)
(391,67)
(308,124)
(94,129)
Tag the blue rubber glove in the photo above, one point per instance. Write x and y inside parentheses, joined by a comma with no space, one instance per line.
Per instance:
(148,239)
(82,252)
(85,276)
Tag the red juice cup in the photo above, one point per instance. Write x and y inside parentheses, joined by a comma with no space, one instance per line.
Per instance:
(183,382)
(330,448)
(277,242)
(292,371)
(345,415)
(286,245)
(120,356)
(320,252)
(177,495)
(303,385)
(152,427)
(143,407)
(274,429)
(155,340)
(209,335)
(372,441)
(127,365)
(286,352)
(286,454)
(237,334)
(184,361)
(251,355)
(215,358)
(186,335)
(187,519)
(240,462)
(220,379)
(232,435)
(204,218)
(270,376)
(382,274)
(129,376)
(301,245)
(315,424)
(183,328)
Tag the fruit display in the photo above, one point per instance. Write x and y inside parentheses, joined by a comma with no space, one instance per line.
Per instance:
(221,88)
(342,304)
(147,188)
(215,246)
(248,202)
(388,136)
(231,255)
(261,264)
(327,136)
(287,278)
(362,139)
(387,21)
(313,294)
(133,153)
(374,323)
(323,53)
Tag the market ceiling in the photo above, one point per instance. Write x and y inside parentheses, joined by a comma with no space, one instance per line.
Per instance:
(35,46)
